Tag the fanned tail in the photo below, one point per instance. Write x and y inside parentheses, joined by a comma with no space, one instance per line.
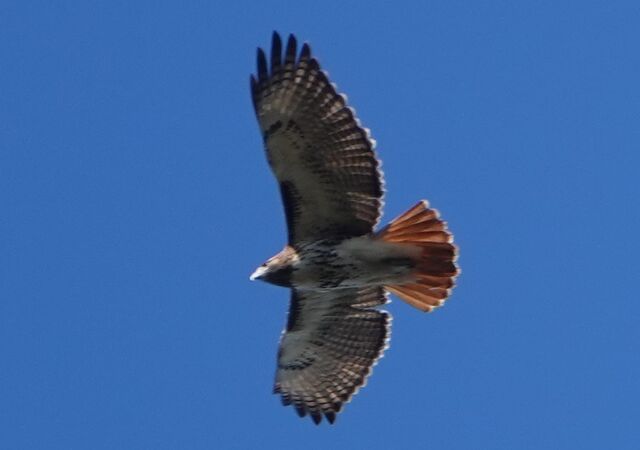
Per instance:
(435,267)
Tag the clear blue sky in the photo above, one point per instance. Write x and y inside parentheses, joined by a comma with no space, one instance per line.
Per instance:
(136,200)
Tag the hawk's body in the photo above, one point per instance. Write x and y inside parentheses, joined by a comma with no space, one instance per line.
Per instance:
(345,263)
(338,269)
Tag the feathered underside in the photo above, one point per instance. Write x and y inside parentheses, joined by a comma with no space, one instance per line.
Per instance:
(332,190)
(331,342)
(323,159)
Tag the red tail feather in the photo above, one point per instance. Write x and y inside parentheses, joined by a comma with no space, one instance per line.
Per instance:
(435,267)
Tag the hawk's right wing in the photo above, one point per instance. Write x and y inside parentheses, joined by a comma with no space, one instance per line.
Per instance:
(331,342)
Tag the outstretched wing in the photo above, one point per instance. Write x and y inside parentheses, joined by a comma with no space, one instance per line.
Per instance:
(331,342)
(323,159)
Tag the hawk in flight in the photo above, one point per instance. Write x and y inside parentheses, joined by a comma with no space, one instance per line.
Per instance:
(339,270)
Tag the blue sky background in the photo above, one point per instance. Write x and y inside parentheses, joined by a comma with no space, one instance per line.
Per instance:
(136,200)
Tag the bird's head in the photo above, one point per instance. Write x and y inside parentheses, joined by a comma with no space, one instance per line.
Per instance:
(277,269)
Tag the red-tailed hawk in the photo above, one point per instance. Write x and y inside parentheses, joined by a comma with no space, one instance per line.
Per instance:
(339,270)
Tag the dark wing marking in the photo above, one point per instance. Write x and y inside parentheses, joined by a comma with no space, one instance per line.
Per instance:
(331,342)
(323,159)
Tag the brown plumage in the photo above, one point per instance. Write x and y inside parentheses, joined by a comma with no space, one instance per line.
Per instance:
(338,269)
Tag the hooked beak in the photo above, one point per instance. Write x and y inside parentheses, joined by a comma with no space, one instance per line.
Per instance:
(259,273)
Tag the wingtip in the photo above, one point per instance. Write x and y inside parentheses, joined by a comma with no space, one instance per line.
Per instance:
(331,417)
(316,417)
(290,52)
(305,53)
(301,411)
(253,84)
(276,51)
(262,64)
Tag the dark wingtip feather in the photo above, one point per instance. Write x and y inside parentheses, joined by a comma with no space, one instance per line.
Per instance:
(254,89)
(301,411)
(305,53)
(331,416)
(290,54)
(275,36)
(316,417)
(314,65)
(276,52)
(262,65)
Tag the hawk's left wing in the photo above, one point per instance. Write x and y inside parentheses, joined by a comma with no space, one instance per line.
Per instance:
(323,159)
(331,342)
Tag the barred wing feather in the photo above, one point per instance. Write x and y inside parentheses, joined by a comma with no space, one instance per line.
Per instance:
(323,159)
